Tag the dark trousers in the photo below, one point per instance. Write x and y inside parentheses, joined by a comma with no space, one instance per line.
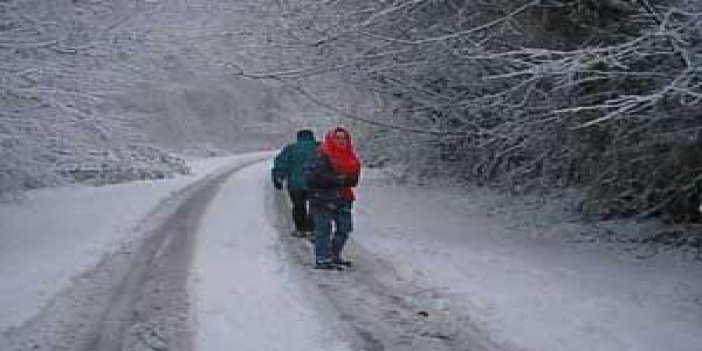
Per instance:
(300,209)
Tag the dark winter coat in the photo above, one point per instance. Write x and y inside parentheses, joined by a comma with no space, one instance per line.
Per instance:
(324,184)
(289,163)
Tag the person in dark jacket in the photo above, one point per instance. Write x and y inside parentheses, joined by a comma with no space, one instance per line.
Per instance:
(288,168)
(332,172)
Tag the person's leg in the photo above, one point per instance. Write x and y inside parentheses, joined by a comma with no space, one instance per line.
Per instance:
(344,225)
(305,208)
(322,218)
(299,209)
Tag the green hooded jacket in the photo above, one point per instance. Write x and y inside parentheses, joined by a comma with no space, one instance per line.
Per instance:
(289,163)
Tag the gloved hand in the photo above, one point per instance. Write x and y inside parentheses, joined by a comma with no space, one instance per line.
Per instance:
(277,183)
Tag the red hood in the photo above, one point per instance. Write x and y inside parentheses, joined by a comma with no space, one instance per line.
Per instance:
(343,159)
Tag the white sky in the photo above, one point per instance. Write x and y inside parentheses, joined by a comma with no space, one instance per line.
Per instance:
(529,294)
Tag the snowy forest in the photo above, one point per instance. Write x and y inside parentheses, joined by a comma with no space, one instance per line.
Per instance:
(602,96)
(100,92)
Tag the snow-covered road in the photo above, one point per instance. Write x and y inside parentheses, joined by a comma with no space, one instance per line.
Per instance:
(246,294)
(432,272)
(105,268)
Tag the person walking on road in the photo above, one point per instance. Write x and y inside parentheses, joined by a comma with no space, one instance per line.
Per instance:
(288,168)
(331,173)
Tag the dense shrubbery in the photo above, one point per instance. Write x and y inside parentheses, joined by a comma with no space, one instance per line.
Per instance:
(599,95)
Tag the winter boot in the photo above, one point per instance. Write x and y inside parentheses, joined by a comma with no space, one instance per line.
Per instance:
(341,262)
(328,266)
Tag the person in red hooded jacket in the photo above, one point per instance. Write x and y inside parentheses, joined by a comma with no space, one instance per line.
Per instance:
(331,173)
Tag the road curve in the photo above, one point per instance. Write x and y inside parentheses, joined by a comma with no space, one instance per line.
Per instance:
(135,299)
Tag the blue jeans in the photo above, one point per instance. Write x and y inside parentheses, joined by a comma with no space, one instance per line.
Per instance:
(328,244)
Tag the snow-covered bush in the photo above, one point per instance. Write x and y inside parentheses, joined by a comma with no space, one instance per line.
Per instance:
(600,95)
(106,91)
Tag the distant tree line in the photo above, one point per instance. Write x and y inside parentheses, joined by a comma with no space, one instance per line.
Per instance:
(60,60)
(104,91)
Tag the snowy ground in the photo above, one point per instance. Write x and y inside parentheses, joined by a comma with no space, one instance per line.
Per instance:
(251,292)
(55,234)
(532,293)
(246,292)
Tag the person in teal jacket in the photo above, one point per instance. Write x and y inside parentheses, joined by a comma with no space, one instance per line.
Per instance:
(288,168)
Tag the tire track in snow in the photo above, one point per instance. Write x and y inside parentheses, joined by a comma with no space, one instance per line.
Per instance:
(383,310)
(151,306)
(135,299)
